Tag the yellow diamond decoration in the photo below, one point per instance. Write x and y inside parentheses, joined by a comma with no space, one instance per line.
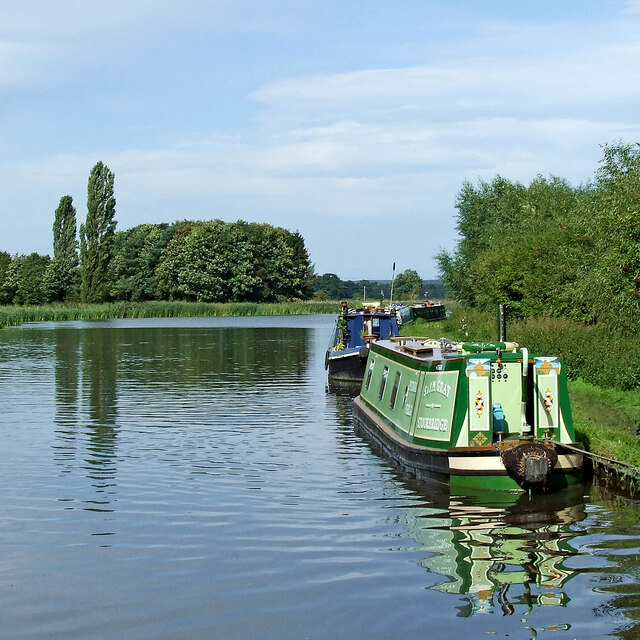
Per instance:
(480,439)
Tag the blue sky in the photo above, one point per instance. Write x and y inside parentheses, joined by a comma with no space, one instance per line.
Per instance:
(355,123)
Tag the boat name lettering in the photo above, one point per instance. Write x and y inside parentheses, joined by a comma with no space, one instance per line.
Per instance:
(438,386)
(434,424)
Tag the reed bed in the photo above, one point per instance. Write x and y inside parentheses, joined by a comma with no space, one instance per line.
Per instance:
(17,315)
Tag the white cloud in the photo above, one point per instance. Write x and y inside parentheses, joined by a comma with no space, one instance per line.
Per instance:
(347,151)
(599,75)
(631,7)
(22,64)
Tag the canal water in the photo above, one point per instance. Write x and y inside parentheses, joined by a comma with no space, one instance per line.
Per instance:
(198,479)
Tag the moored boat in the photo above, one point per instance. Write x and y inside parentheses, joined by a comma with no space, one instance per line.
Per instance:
(403,313)
(354,331)
(429,311)
(484,414)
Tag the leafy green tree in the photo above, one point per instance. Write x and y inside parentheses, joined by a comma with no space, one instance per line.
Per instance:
(282,263)
(486,214)
(96,234)
(612,222)
(60,280)
(136,255)
(218,261)
(196,266)
(330,284)
(518,246)
(23,280)
(407,285)
(5,261)
(302,275)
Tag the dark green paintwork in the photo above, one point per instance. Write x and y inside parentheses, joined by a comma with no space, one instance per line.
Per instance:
(404,415)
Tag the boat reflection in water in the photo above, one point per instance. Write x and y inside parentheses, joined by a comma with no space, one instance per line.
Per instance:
(503,551)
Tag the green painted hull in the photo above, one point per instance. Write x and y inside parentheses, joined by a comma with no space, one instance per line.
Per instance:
(428,463)
(435,414)
(558,482)
(431,313)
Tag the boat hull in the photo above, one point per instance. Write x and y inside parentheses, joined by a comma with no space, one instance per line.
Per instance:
(477,467)
(428,313)
(348,349)
(347,367)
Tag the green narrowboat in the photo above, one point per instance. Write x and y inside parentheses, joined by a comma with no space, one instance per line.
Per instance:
(428,311)
(487,415)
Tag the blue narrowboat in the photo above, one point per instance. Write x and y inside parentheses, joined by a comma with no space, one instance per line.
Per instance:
(354,331)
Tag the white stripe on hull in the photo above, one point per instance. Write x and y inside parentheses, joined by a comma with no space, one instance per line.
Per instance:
(476,463)
(490,464)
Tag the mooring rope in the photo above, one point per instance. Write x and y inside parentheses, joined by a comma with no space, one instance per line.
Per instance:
(625,472)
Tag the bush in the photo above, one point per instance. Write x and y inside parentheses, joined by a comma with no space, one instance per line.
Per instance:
(594,353)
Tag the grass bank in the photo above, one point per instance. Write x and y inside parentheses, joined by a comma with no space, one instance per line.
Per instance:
(605,418)
(15,315)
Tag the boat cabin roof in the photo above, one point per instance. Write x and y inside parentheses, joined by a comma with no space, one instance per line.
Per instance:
(430,349)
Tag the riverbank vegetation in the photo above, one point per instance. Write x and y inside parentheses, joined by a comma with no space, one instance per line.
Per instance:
(193,261)
(566,263)
(13,315)
(551,249)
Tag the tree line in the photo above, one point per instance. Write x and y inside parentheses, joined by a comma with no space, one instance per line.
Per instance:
(550,249)
(203,261)
(407,285)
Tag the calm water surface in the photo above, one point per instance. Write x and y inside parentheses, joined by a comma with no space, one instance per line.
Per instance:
(197,479)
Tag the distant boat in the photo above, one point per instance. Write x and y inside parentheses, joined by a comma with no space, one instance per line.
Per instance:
(487,415)
(402,311)
(354,331)
(427,310)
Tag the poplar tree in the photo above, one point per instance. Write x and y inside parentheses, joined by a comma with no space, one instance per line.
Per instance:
(65,243)
(61,275)
(96,234)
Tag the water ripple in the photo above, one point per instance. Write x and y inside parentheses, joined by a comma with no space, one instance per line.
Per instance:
(199,480)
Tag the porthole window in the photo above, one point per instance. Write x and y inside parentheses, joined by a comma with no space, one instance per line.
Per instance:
(383,382)
(394,390)
(372,363)
(404,397)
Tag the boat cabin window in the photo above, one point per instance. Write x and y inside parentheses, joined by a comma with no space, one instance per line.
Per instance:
(383,382)
(370,373)
(404,397)
(394,391)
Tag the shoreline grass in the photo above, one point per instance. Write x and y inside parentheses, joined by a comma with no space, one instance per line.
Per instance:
(11,316)
(606,420)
